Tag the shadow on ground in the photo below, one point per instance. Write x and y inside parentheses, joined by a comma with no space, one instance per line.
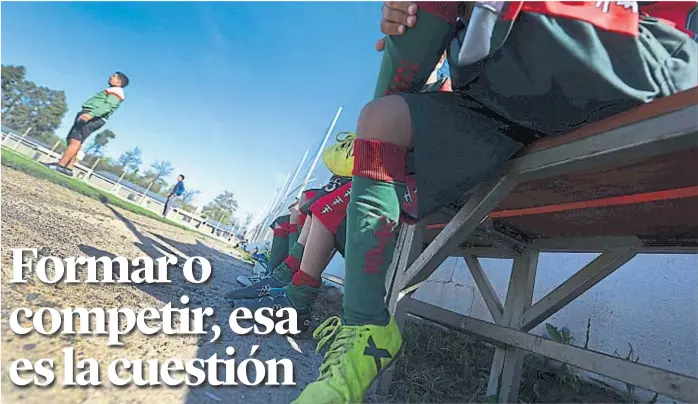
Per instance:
(225,269)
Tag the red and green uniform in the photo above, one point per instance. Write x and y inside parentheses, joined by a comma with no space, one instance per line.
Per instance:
(553,67)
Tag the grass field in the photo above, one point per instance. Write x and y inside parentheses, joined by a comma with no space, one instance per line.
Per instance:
(25,164)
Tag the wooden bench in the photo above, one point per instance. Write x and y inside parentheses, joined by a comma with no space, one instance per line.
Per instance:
(619,187)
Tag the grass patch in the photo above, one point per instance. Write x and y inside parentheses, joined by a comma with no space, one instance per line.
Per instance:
(446,366)
(26,165)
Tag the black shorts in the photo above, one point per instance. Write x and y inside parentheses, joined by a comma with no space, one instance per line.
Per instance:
(515,96)
(457,144)
(81,130)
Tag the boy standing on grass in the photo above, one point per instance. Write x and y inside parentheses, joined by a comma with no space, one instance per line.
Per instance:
(92,116)
(177,190)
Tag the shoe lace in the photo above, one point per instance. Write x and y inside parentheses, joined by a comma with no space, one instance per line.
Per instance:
(341,338)
(257,278)
(264,290)
(346,143)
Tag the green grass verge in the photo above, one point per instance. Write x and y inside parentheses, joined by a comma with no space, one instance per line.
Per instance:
(26,165)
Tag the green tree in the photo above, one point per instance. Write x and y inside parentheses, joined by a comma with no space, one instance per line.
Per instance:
(130,160)
(12,86)
(189,195)
(100,142)
(26,105)
(155,175)
(222,208)
(188,200)
(158,170)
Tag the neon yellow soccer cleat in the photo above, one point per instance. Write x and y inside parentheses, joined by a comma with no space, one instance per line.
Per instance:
(357,356)
(339,158)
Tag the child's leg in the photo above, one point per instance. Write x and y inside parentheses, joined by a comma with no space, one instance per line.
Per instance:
(71,152)
(285,267)
(319,237)
(317,249)
(73,161)
(456,146)
(372,217)
(293,228)
(164,210)
(328,213)
(77,136)
(316,239)
(305,230)
(280,274)
(279,243)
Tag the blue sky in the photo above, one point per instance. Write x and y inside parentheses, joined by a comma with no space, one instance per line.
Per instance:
(231,93)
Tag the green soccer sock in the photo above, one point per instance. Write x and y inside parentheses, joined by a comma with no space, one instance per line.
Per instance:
(284,271)
(301,296)
(279,247)
(293,233)
(372,226)
(409,59)
(303,289)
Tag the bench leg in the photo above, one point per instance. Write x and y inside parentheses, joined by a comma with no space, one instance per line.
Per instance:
(408,248)
(505,373)
(494,305)
(485,198)
(593,273)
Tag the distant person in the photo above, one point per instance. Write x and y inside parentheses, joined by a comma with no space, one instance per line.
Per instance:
(177,190)
(92,116)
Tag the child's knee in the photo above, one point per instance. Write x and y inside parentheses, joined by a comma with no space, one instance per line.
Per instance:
(386,119)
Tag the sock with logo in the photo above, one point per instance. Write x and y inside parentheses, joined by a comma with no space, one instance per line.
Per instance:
(303,289)
(293,233)
(409,59)
(372,227)
(284,272)
(279,246)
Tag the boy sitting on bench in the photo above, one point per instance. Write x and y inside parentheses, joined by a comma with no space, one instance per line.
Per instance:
(521,71)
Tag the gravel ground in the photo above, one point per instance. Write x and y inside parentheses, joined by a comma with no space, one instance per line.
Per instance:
(59,222)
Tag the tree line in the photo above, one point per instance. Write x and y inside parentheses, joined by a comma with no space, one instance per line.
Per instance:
(27,105)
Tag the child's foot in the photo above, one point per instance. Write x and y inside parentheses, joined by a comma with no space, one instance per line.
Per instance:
(356,357)
(249,280)
(278,300)
(255,290)
(59,168)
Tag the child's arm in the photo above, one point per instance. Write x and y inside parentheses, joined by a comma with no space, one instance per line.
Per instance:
(409,59)
(110,105)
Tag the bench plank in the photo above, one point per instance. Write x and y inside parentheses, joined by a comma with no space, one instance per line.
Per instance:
(669,171)
(655,108)
(668,220)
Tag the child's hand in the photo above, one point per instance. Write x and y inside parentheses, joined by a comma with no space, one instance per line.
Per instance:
(84,117)
(396,17)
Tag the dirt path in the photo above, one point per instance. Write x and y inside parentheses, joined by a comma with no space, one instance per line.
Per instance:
(59,222)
